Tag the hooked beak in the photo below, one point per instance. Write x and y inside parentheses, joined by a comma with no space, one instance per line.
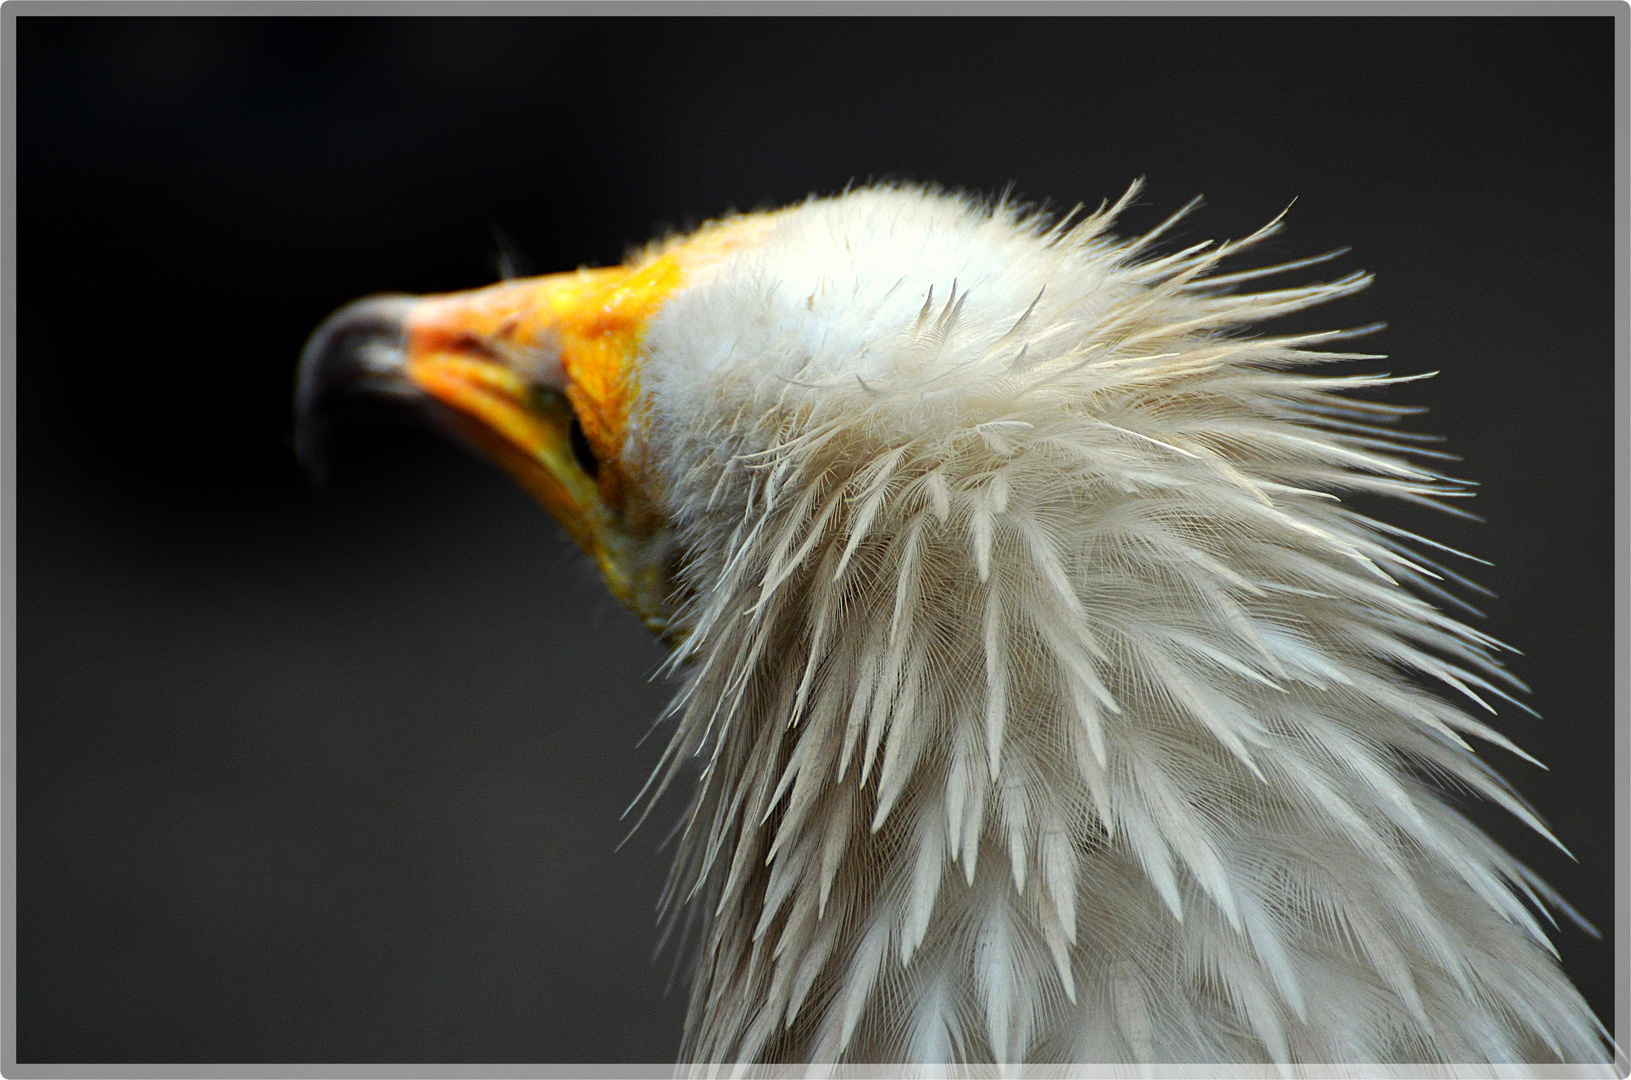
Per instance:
(536,375)
(434,358)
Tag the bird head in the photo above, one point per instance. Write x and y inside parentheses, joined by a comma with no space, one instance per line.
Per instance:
(541,376)
(614,395)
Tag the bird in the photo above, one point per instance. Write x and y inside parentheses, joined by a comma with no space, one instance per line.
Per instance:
(1043,694)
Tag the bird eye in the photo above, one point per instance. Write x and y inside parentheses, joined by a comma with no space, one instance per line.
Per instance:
(582,451)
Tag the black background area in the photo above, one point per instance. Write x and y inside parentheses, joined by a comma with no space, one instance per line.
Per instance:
(335,775)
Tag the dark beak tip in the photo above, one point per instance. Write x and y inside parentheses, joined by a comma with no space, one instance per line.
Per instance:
(357,351)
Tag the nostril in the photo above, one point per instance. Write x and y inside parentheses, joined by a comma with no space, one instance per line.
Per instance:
(473,345)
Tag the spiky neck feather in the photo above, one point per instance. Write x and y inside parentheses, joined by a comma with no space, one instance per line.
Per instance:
(1051,707)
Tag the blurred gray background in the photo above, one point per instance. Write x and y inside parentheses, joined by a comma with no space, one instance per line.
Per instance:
(335,775)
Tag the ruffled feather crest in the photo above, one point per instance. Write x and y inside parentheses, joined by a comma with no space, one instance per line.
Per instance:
(1049,703)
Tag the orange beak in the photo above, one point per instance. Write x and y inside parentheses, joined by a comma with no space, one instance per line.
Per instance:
(536,375)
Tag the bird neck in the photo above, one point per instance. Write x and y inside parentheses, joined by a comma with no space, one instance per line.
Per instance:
(1080,733)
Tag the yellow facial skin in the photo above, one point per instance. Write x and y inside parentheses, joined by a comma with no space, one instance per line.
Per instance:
(522,361)
(540,375)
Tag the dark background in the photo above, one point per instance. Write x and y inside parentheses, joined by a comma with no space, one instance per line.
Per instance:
(335,775)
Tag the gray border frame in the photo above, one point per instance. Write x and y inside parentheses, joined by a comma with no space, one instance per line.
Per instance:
(1620,1022)
(8,541)
(1218,8)
(1620,10)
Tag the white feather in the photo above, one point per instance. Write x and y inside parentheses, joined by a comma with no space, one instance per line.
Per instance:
(1019,515)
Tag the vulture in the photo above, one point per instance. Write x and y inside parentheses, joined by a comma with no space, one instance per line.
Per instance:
(1044,696)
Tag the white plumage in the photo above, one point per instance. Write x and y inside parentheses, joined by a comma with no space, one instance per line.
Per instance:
(1052,706)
